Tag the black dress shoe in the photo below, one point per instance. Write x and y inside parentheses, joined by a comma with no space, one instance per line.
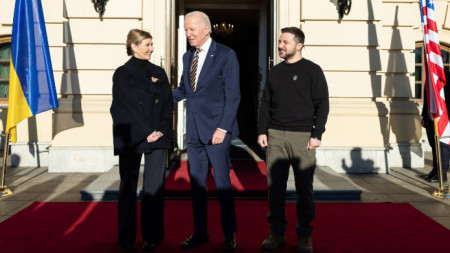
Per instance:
(195,240)
(230,244)
(430,176)
(427,176)
(435,179)
(148,246)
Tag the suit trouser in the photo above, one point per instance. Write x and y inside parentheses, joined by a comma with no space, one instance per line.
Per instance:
(219,156)
(287,148)
(445,149)
(152,206)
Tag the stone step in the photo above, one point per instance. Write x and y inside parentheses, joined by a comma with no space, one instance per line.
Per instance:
(328,186)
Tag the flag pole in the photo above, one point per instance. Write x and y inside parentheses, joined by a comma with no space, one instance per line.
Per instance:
(4,191)
(442,191)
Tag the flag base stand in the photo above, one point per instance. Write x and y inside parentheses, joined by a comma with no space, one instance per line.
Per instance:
(5,192)
(442,193)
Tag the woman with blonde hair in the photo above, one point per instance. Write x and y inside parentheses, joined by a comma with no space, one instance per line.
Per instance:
(142,125)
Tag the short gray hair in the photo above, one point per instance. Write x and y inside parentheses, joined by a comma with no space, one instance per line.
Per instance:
(204,19)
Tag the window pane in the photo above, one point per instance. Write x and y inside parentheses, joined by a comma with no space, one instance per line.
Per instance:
(445,56)
(418,90)
(5,51)
(418,73)
(418,52)
(4,89)
(4,70)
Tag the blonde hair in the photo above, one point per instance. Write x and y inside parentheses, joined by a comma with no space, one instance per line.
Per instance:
(136,36)
(204,19)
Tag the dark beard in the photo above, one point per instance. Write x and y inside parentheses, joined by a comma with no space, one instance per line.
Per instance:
(289,56)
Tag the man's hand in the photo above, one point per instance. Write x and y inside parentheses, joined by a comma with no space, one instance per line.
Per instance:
(262,140)
(313,143)
(218,136)
(154,136)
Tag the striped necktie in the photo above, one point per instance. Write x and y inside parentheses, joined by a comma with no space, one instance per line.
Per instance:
(194,69)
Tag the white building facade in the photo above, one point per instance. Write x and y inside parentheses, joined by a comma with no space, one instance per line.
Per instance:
(371,58)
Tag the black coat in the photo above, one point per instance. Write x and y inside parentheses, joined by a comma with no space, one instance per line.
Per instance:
(141,105)
(425,114)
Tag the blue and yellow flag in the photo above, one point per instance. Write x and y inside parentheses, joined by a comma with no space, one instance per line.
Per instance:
(31,82)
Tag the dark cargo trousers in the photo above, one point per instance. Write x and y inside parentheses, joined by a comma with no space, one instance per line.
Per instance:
(285,149)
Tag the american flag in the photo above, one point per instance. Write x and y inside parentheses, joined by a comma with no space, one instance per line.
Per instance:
(434,69)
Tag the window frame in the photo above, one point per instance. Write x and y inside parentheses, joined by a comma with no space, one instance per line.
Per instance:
(421,64)
(3,40)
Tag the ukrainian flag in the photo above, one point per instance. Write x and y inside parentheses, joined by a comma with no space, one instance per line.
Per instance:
(31,81)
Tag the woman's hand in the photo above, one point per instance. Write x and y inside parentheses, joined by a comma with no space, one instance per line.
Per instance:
(154,136)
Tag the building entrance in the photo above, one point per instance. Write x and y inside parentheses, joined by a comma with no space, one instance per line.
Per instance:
(245,27)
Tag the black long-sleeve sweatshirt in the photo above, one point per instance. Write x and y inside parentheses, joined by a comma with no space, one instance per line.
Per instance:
(295,99)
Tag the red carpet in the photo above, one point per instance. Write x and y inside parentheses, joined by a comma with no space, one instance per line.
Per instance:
(339,227)
(248,178)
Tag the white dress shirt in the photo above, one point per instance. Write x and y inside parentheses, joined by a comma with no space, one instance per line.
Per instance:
(201,58)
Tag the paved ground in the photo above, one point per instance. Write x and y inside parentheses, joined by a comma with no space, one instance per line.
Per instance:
(401,185)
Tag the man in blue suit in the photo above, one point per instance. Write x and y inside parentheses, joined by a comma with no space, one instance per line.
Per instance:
(210,85)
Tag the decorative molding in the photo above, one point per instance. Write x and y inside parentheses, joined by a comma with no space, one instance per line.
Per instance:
(5,39)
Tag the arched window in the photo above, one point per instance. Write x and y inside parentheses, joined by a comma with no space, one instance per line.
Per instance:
(5,52)
(420,70)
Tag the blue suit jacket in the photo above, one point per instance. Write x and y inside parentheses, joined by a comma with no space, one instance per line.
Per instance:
(215,102)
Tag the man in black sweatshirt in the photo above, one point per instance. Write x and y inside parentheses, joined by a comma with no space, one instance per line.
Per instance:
(292,116)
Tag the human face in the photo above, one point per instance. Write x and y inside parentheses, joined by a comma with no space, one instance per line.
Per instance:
(196,32)
(288,48)
(144,50)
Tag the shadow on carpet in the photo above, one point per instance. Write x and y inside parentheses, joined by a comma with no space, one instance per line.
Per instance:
(339,227)
(248,179)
